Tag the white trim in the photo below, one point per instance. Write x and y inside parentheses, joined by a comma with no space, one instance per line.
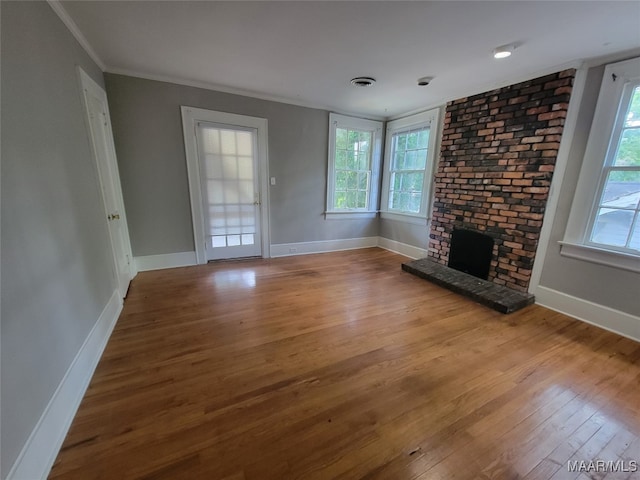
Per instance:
(428,119)
(349,215)
(322,246)
(405,218)
(192,115)
(108,176)
(610,319)
(75,31)
(402,248)
(232,90)
(40,451)
(601,256)
(168,260)
(375,128)
(560,169)
(590,179)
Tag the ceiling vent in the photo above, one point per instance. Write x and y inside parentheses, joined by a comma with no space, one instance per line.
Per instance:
(363,81)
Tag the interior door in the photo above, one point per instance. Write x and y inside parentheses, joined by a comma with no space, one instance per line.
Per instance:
(230,190)
(101,137)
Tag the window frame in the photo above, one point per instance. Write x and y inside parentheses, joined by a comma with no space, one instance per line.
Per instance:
(363,125)
(429,119)
(618,80)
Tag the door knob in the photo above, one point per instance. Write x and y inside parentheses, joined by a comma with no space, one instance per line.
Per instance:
(114,216)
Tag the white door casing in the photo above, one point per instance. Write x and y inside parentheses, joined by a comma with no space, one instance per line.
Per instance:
(103,150)
(191,118)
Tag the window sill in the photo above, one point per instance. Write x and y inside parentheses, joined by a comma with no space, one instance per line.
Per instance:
(349,215)
(601,256)
(405,217)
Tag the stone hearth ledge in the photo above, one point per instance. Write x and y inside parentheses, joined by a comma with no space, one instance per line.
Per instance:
(498,297)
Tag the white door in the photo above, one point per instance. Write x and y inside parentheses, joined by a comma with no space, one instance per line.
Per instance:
(101,136)
(227,158)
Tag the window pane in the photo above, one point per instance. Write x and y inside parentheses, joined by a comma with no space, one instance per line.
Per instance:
(341,138)
(341,200)
(352,141)
(219,241)
(612,226)
(364,141)
(352,180)
(622,189)
(362,199)
(352,162)
(633,116)
(363,181)
(414,202)
(341,180)
(396,180)
(410,159)
(629,149)
(351,199)
(423,139)
(412,140)
(341,159)
(401,143)
(244,143)
(413,182)
(398,161)
(248,239)
(228,141)
(363,161)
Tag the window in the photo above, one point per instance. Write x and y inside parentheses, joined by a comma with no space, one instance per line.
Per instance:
(604,224)
(615,221)
(354,165)
(409,160)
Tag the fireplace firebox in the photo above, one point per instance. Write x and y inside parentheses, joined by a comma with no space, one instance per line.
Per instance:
(471,252)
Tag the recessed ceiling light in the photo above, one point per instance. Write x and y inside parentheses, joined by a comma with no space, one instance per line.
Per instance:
(504,51)
(424,81)
(363,81)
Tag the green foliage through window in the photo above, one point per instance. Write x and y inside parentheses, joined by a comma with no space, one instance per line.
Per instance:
(352,169)
(408,163)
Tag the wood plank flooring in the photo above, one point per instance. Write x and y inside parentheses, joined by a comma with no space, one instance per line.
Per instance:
(341,366)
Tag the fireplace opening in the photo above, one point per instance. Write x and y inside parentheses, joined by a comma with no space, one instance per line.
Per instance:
(471,252)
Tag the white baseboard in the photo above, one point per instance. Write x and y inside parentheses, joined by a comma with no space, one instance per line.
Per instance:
(323,246)
(42,446)
(615,321)
(169,260)
(402,248)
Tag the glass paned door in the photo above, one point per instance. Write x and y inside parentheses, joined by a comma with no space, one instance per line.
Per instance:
(230,190)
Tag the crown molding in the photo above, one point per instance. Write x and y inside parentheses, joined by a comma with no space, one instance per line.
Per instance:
(75,31)
(236,91)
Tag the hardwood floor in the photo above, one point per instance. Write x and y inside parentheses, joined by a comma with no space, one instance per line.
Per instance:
(342,366)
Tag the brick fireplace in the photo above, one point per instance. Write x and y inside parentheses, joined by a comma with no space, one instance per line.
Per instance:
(497,158)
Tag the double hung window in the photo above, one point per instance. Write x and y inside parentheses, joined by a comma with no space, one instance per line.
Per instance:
(409,161)
(354,165)
(604,224)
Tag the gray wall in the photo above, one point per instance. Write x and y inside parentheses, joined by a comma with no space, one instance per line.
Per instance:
(411,234)
(148,133)
(600,284)
(56,262)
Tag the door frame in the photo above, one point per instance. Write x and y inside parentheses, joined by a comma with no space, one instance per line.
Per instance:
(88,85)
(190,118)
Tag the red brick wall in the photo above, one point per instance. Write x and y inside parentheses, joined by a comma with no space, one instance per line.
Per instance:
(497,158)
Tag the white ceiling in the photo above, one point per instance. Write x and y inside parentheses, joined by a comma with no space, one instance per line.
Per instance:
(305,52)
